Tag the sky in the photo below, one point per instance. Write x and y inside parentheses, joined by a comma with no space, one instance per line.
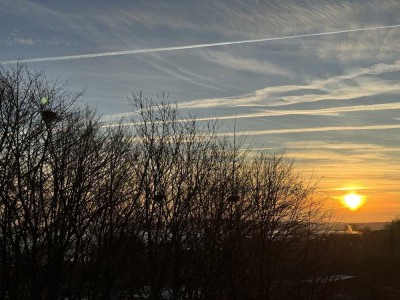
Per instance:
(329,101)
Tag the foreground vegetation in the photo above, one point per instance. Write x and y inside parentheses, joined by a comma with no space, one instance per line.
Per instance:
(165,208)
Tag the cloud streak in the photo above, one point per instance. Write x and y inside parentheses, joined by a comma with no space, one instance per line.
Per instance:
(188,47)
(245,64)
(339,146)
(332,111)
(316,129)
(341,87)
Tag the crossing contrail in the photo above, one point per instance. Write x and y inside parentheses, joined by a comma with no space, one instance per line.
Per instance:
(187,47)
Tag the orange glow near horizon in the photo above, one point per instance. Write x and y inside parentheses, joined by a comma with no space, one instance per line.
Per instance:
(353,201)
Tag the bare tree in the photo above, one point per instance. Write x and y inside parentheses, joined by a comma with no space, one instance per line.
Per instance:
(55,181)
(178,157)
(166,208)
(30,222)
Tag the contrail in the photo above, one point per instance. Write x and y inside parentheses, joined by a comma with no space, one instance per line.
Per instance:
(196,46)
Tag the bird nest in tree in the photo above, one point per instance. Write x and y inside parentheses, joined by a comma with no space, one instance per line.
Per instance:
(49,115)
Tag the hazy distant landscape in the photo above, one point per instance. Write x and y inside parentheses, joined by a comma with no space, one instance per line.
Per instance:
(371,225)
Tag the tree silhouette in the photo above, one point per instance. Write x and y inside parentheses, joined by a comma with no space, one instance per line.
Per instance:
(165,208)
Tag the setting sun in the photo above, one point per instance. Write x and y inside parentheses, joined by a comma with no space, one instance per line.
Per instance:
(353,201)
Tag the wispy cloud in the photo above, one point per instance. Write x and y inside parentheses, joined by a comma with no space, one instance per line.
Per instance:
(178,72)
(289,130)
(322,145)
(22,41)
(246,64)
(316,129)
(17,39)
(357,47)
(350,85)
(332,111)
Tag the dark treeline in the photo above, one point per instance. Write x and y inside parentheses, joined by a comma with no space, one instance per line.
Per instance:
(373,258)
(166,208)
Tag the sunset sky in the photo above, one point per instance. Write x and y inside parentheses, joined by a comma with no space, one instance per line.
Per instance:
(330,101)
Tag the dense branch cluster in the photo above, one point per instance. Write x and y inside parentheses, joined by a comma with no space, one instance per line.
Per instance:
(166,208)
